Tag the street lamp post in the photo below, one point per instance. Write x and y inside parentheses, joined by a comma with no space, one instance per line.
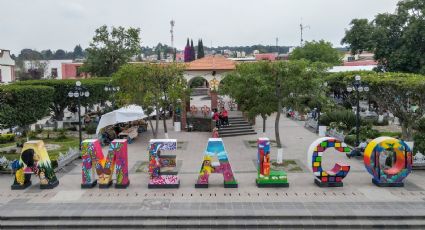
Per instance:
(79,92)
(319,108)
(113,90)
(358,87)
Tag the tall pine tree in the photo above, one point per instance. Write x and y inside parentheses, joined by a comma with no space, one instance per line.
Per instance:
(192,51)
(187,52)
(201,53)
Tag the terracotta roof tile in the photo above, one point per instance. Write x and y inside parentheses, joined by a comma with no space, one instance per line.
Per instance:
(212,62)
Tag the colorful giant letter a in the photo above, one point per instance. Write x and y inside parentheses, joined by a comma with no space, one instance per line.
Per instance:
(159,176)
(215,147)
(94,160)
(34,159)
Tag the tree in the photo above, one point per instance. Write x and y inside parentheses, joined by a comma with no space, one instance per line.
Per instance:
(187,52)
(78,52)
(23,105)
(29,54)
(320,51)
(110,49)
(265,87)
(399,93)
(59,55)
(192,51)
(152,86)
(47,54)
(201,53)
(60,100)
(249,87)
(359,36)
(396,39)
(158,54)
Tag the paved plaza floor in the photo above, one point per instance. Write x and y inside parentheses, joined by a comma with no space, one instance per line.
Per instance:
(359,197)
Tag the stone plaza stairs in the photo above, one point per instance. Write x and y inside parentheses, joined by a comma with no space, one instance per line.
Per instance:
(238,127)
(214,222)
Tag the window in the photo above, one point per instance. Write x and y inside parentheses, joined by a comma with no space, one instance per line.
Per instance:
(351,58)
(54,72)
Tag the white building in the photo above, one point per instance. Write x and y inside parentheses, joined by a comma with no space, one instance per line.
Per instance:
(53,68)
(7,67)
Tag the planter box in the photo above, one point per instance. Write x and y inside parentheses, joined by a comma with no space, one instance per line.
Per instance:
(334,133)
(419,161)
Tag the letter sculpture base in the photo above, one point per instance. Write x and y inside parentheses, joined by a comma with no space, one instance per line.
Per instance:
(20,187)
(89,185)
(383,184)
(49,186)
(225,185)
(328,184)
(107,185)
(276,179)
(122,186)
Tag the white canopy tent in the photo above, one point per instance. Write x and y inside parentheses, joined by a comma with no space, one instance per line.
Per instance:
(124,114)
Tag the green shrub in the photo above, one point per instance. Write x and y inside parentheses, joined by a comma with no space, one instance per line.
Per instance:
(339,116)
(390,134)
(32,134)
(91,128)
(419,143)
(420,125)
(61,134)
(5,138)
(350,140)
(369,121)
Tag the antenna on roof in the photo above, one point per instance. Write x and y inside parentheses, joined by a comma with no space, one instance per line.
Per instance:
(172,23)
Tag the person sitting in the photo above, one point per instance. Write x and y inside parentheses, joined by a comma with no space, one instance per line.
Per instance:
(358,150)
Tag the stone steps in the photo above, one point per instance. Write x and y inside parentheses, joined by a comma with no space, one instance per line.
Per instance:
(238,127)
(219,222)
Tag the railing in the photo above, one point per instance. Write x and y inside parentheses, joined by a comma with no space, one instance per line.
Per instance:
(68,157)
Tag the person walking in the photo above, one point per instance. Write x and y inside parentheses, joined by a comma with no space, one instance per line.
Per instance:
(225,116)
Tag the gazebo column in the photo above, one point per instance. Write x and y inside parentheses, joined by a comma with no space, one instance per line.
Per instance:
(214,99)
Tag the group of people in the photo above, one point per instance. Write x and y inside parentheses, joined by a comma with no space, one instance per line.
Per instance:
(221,118)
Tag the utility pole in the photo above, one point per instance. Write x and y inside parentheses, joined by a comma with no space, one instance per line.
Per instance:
(302,28)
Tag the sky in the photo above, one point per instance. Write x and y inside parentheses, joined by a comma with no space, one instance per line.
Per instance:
(62,24)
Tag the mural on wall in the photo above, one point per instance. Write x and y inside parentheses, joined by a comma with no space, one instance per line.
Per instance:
(267,177)
(215,149)
(34,159)
(328,178)
(389,161)
(162,172)
(94,162)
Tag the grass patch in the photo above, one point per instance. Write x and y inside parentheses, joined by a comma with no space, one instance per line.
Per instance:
(287,165)
(65,144)
(9,144)
(253,143)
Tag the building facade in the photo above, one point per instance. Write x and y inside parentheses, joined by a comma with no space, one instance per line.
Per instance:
(7,67)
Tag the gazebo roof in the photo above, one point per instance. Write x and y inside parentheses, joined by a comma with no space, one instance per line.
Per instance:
(211,62)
